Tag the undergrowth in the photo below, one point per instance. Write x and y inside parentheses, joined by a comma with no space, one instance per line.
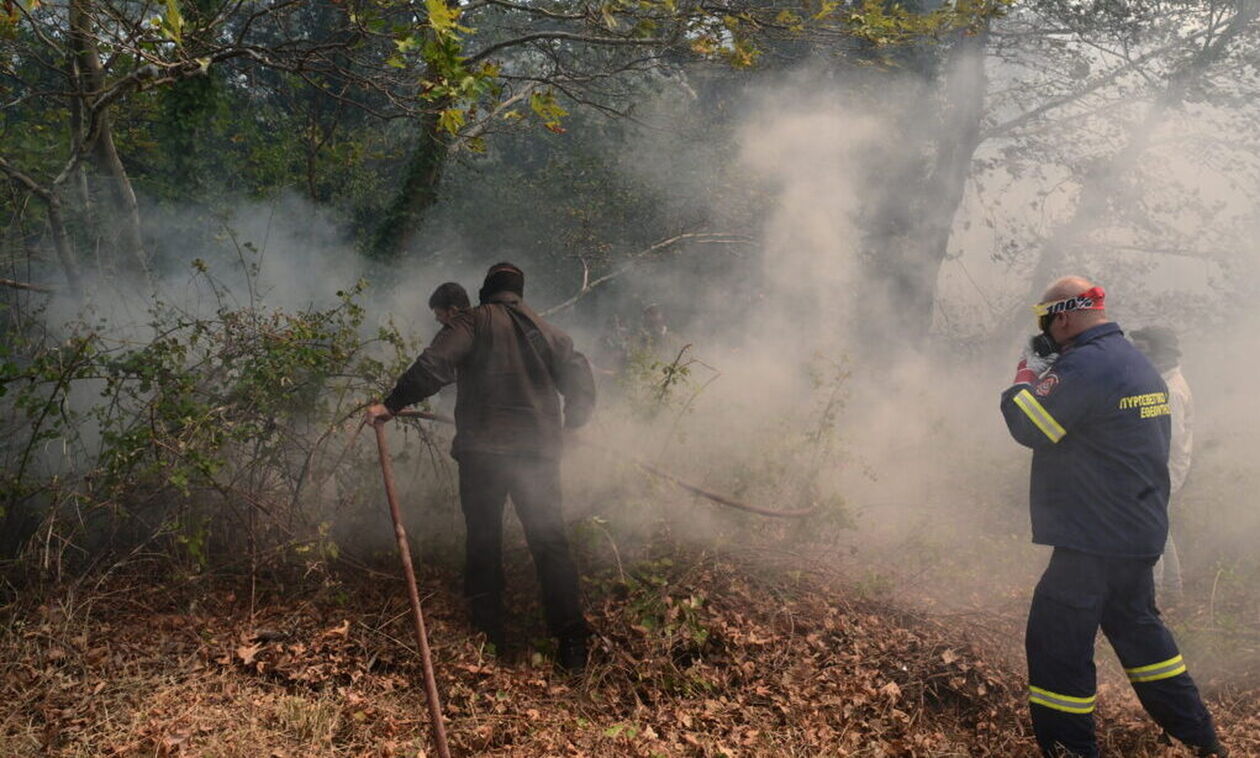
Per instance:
(204,437)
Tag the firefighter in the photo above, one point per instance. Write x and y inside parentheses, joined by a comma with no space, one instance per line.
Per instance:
(1096,414)
(511,370)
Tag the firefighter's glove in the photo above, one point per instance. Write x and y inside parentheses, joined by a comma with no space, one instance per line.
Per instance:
(1031,365)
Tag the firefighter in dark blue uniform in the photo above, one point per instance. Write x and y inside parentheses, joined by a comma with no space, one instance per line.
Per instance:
(1095,412)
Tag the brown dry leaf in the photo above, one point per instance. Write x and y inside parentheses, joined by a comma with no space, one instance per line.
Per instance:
(170,744)
(247,653)
(770,681)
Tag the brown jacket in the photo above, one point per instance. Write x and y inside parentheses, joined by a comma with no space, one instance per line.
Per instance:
(509,388)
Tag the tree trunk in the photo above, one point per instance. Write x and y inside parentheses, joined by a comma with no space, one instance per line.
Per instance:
(419,191)
(916,230)
(63,245)
(124,213)
(78,133)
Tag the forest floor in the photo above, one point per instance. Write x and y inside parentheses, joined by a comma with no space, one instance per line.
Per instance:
(695,655)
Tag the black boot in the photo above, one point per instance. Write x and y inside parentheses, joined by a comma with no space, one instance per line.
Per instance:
(1212,751)
(571,654)
(486,614)
(495,639)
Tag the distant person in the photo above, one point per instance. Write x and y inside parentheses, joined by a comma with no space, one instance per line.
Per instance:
(1097,416)
(1159,343)
(512,368)
(654,338)
(653,321)
(447,300)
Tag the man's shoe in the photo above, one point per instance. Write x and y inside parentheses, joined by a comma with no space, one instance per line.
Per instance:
(571,655)
(1214,751)
(496,640)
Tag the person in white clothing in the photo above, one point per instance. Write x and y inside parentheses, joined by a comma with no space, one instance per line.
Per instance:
(1159,344)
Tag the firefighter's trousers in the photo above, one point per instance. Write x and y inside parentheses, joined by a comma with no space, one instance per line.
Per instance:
(485,483)
(1077,594)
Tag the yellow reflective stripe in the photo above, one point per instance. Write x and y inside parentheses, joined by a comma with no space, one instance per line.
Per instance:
(1065,703)
(1180,669)
(1156,671)
(1038,415)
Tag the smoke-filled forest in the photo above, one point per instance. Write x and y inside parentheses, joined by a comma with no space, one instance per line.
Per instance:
(798,244)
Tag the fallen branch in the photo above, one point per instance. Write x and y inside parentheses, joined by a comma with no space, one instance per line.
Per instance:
(15,284)
(720,499)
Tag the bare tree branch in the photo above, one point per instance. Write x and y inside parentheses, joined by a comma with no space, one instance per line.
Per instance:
(476,6)
(588,39)
(590,285)
(1110,77)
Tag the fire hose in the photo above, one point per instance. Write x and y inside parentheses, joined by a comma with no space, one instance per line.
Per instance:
(656,471)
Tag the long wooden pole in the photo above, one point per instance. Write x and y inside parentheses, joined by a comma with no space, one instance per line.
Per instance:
(413,594)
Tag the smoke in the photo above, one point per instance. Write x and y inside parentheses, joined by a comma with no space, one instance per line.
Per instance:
(919,453)
(787,401)
(807,152)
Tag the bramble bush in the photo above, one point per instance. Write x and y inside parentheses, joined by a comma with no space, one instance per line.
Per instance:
(210,437)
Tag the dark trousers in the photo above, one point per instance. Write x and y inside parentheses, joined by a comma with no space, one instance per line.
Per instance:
(485,482)
(1077,594)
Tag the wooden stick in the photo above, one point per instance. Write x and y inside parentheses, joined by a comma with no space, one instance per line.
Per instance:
(413,594)
(654,471)
(15,284)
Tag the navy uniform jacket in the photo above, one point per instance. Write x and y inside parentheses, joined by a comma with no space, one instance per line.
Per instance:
(1098,422)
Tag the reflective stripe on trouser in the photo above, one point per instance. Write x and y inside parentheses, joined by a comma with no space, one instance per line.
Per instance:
(1077,594)
(1062,624)
(1156,671)
(1065,703)
(1152,662)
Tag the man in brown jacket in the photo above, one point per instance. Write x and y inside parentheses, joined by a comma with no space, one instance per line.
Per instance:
(511,369)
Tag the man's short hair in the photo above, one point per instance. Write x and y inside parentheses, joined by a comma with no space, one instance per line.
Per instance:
(449,295)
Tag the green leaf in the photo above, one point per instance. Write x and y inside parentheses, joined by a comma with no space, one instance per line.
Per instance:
(442,17)
(172,22)
(452,120)
(545,106)
(409,44)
